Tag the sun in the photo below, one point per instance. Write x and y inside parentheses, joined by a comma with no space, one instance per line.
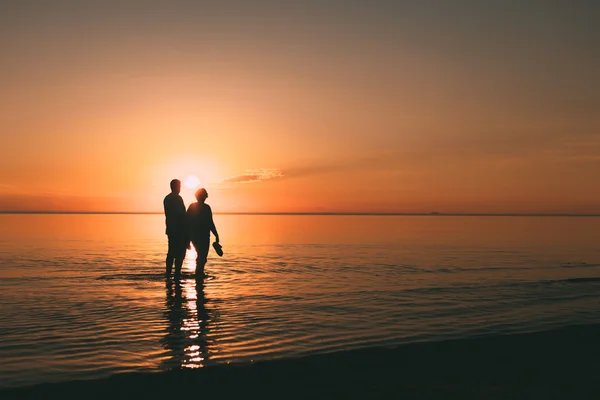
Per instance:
(191,182)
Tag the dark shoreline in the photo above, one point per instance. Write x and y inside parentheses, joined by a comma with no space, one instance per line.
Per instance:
(562,363)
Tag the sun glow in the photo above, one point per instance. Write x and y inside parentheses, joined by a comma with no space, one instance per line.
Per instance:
(193,172)
(191,182)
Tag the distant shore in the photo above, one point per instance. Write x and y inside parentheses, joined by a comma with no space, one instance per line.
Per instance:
(561,363)
(367,214)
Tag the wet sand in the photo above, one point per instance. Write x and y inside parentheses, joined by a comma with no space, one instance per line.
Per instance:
(562,363)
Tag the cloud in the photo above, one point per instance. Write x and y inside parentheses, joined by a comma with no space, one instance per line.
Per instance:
(316,167)
(255,175)
(61,203)
(9,189)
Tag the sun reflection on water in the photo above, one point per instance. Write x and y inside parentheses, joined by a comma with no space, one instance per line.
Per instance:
(189,263)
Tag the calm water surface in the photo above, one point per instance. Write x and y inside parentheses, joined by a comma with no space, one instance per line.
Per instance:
(83,296)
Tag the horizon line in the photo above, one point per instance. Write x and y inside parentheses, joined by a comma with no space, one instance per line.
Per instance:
(383,214)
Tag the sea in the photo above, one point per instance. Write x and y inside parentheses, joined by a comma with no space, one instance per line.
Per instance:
(84,296)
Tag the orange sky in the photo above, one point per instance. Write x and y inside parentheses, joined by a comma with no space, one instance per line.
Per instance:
(338,106)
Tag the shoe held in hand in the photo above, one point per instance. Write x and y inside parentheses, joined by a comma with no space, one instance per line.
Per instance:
(218,249)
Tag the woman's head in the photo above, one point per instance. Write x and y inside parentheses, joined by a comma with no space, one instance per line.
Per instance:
(201,194)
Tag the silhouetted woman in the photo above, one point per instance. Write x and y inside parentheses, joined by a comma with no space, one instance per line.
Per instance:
(200,224)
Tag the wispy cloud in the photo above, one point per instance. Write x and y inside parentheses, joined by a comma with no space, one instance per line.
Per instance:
(9,189)
(316,167)
(255,175)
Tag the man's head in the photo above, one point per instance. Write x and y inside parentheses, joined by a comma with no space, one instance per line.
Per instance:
(201,194)
(176,186)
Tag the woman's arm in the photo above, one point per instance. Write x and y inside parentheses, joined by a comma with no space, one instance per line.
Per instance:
(213,228)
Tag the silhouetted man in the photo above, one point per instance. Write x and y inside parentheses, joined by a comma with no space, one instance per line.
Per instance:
(176,228)
(200,224)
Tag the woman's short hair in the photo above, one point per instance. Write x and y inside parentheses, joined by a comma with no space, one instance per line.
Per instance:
(201,194)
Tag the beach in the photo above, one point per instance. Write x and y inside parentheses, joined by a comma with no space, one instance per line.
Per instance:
(558,364)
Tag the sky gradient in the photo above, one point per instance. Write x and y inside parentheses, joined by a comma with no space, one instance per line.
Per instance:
(315,106)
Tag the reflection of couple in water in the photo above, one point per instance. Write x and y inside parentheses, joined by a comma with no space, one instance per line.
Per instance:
(187,337)
(183,227)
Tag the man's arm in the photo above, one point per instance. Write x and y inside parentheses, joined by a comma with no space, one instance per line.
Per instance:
(181,207)
(187,227)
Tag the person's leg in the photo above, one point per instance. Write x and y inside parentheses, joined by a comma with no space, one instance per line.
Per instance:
(201,247)
(181,250)
(170,256)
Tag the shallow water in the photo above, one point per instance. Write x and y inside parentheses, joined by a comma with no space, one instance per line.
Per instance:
(83,296)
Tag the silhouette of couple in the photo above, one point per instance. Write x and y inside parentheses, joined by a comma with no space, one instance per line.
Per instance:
(183,227)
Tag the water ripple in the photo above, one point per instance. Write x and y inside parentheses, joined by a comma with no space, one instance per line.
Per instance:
(111,310)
